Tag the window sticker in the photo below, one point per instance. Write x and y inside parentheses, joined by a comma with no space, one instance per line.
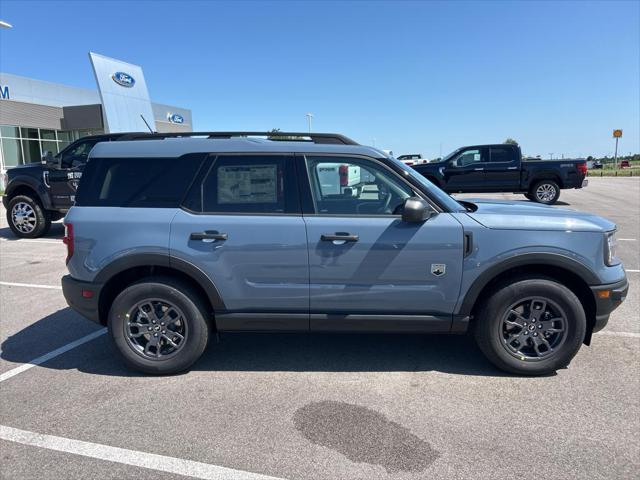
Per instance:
(247,184)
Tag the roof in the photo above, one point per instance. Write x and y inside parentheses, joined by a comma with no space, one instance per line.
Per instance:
(176,147)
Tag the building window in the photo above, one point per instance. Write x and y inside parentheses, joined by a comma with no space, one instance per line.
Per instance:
(20,145)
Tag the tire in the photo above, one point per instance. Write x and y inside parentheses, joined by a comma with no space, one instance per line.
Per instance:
(530,197)
(27,218)
(151,295)
(546,192)
(498,337)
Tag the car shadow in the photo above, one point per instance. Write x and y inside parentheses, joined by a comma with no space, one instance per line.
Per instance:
(55,232)
(260,352)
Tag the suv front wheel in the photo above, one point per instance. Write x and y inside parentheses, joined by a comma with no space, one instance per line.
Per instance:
(531,326)
(26,218)
(159,325)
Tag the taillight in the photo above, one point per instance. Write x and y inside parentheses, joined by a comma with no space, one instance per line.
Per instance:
(582,167)
(68,240)
(343,171)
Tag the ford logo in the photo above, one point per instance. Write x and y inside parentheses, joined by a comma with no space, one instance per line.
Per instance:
(123,79)
(175,118)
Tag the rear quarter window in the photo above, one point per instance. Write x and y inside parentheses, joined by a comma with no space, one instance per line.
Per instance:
(137,182)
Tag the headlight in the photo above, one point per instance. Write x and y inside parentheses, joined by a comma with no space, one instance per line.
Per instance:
(610,249)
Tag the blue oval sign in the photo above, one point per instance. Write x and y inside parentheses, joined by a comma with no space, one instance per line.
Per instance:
(123,79)
(176,118)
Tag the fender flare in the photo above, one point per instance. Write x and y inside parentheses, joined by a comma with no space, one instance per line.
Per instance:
(161,260)
(33,184)
(523,260)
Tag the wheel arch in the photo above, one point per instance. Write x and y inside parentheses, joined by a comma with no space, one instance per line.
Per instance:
(539,177)
(24,185)
(565,270)
(121,273)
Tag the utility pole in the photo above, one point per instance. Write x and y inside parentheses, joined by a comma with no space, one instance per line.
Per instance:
(551,156)
(309,117)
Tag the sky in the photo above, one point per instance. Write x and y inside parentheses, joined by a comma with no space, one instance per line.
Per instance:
(413,77)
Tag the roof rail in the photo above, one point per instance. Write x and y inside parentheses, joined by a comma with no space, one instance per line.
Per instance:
(324,138)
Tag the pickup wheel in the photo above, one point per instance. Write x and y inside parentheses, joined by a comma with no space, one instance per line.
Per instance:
(545,191)
(159,325)
(532,326)
(27,218)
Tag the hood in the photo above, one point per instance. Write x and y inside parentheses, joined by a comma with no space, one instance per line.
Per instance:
(27,169)
(525,215)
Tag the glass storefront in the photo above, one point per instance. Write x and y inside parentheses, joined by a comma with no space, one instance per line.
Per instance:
(20,145)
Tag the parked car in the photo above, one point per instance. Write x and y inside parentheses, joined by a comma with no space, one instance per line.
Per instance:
(625,164)
(412,159)
(501,168)
(597,164)
(172,239)
(37,194)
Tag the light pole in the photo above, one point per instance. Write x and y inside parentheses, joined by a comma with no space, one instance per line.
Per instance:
(4,24)
(551,156)
(309,117)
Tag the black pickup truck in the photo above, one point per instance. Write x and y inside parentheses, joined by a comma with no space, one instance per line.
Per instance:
(37,194)
(501,168)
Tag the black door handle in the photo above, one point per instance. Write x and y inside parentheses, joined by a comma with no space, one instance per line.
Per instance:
(339,236)
(210,235)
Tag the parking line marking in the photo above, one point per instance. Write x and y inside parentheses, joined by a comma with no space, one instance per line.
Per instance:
(27,240)
(124,456)
(619,334)
(627,240)
(31,285)
(632,271)
(48,356)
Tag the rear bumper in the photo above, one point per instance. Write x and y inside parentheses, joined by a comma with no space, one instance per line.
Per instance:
(608,302)
(75,292)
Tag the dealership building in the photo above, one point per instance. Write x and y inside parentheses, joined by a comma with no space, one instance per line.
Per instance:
(38,116)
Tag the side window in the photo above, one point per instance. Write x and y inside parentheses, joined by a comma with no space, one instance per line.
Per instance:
(137,182)
(502,155)
(350,186)
(77,155)
(469,157)
(256,184)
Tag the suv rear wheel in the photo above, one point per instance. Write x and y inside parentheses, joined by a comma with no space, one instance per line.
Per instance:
(159,325)
(531,326)
(546,192)
(26,218)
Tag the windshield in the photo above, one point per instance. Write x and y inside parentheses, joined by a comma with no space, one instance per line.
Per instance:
(443,197)
(451,155)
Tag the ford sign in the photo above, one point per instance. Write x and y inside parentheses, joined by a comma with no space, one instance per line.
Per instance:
(175,118)
(123,79)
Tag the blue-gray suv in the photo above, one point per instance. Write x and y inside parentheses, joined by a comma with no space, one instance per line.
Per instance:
(175,237)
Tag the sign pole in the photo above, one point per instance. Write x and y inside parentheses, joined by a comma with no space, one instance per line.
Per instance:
(615,155)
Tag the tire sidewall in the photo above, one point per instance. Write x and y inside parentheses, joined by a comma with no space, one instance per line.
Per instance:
(43,219)
(545,182)
(491,326)
(192,308)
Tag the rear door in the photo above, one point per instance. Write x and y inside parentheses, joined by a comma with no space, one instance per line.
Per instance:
(241,224)
(502,171)
(465,171)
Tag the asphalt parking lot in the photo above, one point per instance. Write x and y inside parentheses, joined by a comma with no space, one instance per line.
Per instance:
(311,407)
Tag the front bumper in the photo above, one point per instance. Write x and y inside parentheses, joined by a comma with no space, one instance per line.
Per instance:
(75,293)
(608,298)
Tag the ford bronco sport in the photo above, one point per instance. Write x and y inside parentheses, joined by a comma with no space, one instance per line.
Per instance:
(172,239)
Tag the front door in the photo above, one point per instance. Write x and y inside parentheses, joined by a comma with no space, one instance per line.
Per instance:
(465,172)
(369,270)
(242,226)
(63,181)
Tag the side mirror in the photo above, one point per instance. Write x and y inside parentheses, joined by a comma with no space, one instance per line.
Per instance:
(49,160)
(416,210)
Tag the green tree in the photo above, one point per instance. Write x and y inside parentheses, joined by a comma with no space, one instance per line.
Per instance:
(510,141)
